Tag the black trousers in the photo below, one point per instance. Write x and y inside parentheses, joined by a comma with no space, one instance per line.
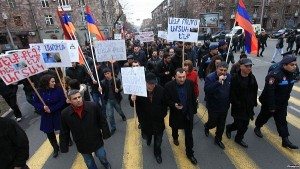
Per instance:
(157,142)
(188,132)
(297,49)
(239,125)
(217,120)
(290,46)
(11,100)
(279,117)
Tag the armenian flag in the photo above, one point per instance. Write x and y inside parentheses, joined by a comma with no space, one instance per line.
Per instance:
(91,24)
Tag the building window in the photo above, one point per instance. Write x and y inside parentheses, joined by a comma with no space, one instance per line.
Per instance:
(49,20)
(81,2)
(11,3)
(63,2)
(18,21)
(45,3)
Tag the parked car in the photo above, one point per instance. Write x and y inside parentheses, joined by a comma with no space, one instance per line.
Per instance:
(284,31)
(215,37)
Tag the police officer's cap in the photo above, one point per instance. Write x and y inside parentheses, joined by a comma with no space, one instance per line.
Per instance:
(130,57)
(288,59)
(221,43)
(213,46)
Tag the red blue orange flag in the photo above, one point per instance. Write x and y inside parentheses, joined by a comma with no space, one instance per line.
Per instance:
(65,27)
(243,19)
(91,24)
(68,23)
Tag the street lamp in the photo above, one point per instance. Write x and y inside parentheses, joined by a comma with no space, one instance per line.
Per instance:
(5,18)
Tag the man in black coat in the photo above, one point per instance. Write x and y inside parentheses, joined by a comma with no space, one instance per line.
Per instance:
(274,99)
(14,145)
(9,94)
(165,70)
(217,92)
(243,96)
(181,99)
(88,127)
(152,110)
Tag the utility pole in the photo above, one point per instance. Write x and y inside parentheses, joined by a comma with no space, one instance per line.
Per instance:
(262,12)
(34,19)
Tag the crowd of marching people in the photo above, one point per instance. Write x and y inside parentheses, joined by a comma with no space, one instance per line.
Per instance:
(83,110)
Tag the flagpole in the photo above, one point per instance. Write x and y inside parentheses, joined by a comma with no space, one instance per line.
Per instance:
(229,46)
(94,60)
(183,55)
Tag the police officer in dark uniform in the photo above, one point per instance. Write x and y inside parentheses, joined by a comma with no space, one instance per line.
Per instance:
(274,99)
(207,58)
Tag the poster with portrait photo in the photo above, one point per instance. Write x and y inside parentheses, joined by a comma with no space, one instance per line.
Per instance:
(210,20)
(54,54)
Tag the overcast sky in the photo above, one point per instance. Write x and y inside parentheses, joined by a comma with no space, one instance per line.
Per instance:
(137,10)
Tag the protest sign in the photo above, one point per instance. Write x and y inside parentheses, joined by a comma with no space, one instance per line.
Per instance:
(209,20)
(162,34)
(110,50)
(72,47)
(145,36)
(20,65)
(133,81)
(54,54)
(183,29)
(117,36)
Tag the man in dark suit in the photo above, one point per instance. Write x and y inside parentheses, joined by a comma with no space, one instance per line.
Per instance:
(181,99)
(88,127)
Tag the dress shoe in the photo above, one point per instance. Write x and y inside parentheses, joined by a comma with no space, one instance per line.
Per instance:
(258,132)
(112,132)
(193,160)
(158,159)
(55,152)
(220,144)
(148,142)
(123,118)
(176,142)
(206,131)
(139,126)
(228,132)
(287,144)
(70,142)
(242,143)
(273,62)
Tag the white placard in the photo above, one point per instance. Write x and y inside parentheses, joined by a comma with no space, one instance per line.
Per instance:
(133,81)
(20,65)
(162,34)
(110,50)
(183,29)
(145,36)
(72,46)
(54,54)
(118,36)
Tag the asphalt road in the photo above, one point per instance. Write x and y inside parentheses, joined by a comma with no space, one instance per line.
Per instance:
(126,148)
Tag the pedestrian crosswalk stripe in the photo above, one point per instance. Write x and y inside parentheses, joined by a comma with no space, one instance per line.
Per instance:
(296,88)
(294,100)
(79,162)
(39,158)
(235,153)
(179,151)
(132,157)
(292,119)
(274,139)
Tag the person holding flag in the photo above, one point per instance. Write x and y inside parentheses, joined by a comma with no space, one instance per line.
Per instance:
(243,19)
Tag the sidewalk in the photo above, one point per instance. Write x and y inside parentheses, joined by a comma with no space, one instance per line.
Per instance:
(3,106)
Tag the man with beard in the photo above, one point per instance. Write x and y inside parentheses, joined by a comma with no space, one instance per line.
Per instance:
(181,99)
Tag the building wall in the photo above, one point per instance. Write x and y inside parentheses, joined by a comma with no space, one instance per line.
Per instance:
(277,13)
(31,23)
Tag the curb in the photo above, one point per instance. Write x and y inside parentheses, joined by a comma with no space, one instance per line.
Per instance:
(7,113)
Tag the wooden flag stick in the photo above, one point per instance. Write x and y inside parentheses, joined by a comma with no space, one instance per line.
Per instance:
(134,112)
(37,93)
(182,54)
(62,84)
(113,73)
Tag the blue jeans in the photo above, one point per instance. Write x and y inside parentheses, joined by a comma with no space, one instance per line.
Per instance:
(90,162)
(110,105)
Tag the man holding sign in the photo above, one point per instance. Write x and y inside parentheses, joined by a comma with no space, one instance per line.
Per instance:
(152,110)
